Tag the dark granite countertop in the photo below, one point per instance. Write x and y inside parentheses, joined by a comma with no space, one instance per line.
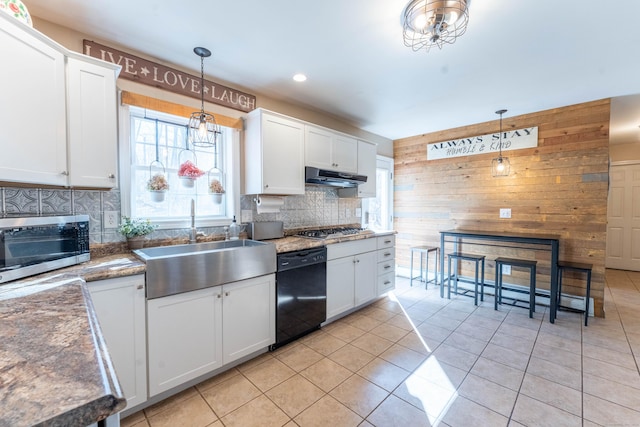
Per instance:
(55,369)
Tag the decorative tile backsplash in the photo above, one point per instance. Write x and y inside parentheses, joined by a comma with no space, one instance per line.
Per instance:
(319,206)
(47,202)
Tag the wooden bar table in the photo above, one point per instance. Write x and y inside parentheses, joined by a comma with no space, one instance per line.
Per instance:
(550,242)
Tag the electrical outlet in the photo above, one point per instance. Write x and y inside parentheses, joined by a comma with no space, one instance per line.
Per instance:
(505,213)
(506,270)
(110,219)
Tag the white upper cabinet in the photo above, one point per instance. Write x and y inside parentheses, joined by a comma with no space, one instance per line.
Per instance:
(274,154)
(33,134)
(93,137)
(367,166)
(330,150)
(60,123)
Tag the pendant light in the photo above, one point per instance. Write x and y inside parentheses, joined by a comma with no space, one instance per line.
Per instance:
(500,166)
(203,129)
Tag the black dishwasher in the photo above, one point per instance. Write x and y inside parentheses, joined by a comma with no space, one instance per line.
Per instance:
(301,288)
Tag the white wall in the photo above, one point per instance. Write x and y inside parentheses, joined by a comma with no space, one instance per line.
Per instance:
(72,40)
(624,152)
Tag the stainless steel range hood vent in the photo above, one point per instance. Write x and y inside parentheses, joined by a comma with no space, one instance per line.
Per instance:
(332,178)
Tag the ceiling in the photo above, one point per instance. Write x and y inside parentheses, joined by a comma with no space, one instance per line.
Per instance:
(524,55)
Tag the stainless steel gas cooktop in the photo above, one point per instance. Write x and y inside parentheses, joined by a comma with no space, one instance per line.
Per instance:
(328,233)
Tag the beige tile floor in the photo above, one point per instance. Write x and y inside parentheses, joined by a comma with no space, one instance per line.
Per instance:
(413,359)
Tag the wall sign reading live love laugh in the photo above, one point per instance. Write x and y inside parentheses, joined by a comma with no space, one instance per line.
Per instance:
(511,140)
(150,73)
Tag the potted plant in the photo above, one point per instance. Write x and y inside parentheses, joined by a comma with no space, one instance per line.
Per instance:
(188,173)
(216,190)
(134,229)
(157,185)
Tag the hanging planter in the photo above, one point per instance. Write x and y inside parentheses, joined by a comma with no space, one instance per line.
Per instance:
(157,184)
(215,185)
(157,195)
(188,171)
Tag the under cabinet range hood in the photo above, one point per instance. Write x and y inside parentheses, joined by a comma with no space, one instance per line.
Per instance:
(332,178)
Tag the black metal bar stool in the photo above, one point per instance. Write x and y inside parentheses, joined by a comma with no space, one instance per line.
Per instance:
(424,250)
(478,280)
(581,268)
(514,262)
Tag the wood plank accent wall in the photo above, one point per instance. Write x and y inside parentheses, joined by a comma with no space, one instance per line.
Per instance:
(559,187)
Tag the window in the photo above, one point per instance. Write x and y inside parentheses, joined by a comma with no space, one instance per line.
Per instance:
(379,211)
(158,143)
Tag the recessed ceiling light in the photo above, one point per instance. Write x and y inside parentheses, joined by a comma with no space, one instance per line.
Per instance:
(299,77)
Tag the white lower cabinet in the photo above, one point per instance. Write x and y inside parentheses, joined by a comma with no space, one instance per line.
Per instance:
(184,335)
(386,264)
(120,306)
(351,275)
(194,333)
(248,317)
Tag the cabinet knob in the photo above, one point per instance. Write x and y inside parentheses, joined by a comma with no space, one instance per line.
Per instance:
(387,282)
(64,173)
(140,287)
(387,241)
(387,267)
(219,296)
(266,186)
(387,254)
(357,260)
(226,294)
(111,176)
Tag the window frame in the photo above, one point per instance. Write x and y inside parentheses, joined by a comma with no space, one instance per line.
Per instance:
(231,167)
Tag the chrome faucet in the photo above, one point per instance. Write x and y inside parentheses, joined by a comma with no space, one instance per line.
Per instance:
(194,231)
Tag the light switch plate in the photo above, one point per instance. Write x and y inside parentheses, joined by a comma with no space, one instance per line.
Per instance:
(506,270)
(110,219)
(505,213)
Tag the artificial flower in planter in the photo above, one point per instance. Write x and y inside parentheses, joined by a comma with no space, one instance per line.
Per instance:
(134,229)
(188,173)
(217,190)
(157,185)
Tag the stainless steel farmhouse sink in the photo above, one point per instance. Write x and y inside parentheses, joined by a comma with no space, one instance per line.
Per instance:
(181,268)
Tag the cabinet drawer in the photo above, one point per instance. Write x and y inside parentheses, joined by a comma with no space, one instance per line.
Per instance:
(386,283)
(385,267)
(340,250)
(386,241)
(386,254)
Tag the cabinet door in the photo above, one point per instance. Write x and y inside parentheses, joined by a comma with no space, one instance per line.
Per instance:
(92,124)
(366,285)
(282,156)
(33,134)
(345,153)
(120,307)
(367,166)
(317,148)
(248,319)
(340,285)
(184,337)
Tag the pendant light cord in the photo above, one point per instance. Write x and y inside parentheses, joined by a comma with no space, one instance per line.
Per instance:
(202,84)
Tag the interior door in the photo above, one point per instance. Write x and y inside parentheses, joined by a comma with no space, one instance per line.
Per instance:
(623,218)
